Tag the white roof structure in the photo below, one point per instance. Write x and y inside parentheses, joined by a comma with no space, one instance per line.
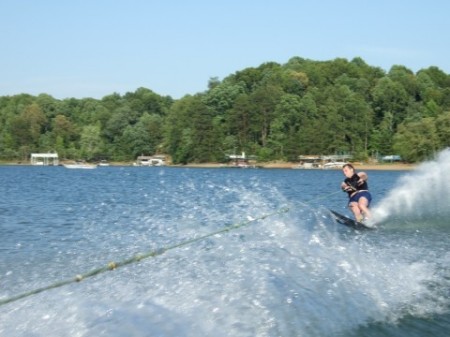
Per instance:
(44,159)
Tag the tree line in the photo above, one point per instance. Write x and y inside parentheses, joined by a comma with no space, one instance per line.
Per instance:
(273,111)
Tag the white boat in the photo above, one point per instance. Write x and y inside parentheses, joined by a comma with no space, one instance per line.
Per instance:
(334,165)
(306,166)
(80,166)
(103,163)
(157,160)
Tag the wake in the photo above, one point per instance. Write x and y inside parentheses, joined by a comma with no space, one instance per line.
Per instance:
(421,194)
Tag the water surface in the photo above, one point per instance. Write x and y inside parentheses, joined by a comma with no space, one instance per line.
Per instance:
(294,273)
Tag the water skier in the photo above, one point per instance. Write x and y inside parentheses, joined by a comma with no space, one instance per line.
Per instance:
(355,184)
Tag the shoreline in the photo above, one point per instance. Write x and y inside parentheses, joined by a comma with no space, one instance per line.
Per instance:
(288,165)
(270,165)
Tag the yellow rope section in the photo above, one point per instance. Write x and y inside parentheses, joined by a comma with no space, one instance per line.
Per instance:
(136,258)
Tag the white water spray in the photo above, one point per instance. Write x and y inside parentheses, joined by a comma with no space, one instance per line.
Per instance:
(425,192)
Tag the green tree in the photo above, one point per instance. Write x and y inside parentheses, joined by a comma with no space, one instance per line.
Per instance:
(205,144)
(48,105)
(389,97)
(241,121)
(118,121)
(385,133)
(417,141)
(405,77)
(427,88)
(348,119)
(285,127)
(144,138)
(294,82)
(27,127)
(63,128)
(443,129)
(175,124)
(190,133)
(146,101)
(90,143)
(222,96)
(264,100)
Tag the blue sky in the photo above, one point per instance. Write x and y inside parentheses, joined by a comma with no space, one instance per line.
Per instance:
(93,48)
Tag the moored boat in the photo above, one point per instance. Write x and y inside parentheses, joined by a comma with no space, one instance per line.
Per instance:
(80,166)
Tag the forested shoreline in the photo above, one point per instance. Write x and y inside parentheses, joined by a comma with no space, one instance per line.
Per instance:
(273,112)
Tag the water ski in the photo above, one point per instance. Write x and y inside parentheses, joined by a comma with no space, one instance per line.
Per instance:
(342,219)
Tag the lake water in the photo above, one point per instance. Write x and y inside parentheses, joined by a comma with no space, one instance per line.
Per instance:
(285,267)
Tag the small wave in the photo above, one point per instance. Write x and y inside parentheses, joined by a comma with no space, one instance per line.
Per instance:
(423,194)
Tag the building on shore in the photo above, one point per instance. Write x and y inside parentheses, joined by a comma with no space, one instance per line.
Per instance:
(44,159)
(241,160)
(322,161)
(156,160)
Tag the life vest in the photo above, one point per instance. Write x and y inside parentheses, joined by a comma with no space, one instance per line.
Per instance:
(353,182)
